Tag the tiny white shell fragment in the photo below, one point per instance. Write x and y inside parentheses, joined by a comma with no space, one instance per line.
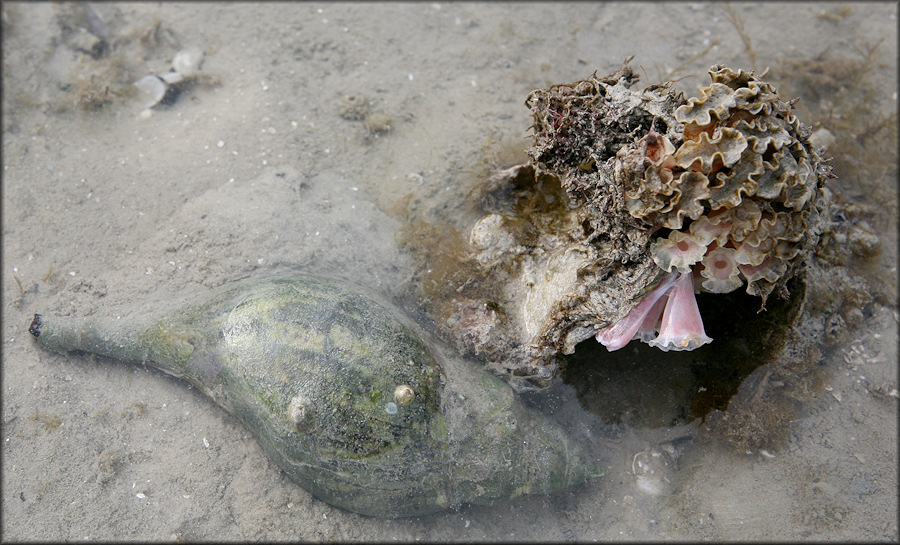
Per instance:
(151,90)
(171,77)
(822,138)
(140,496)
(650,485)
(404,394)
(187,61)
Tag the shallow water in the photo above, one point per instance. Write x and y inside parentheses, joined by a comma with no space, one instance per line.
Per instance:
(265,166)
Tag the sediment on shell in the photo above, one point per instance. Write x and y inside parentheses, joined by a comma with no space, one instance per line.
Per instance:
(724,185)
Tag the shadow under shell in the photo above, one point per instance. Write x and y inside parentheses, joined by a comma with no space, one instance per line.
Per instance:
(644,387)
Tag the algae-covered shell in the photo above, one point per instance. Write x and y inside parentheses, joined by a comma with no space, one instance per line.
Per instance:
(625,187)
(345,396)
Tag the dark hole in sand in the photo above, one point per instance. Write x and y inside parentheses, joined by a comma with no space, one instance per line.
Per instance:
(642,386)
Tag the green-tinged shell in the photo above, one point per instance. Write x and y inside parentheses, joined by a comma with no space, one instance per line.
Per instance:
(344,395)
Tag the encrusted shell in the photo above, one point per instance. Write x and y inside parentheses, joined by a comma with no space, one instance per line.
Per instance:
(744,166)
(344,395)
(724,187)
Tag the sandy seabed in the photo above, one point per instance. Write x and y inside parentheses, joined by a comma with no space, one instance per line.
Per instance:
(269,163)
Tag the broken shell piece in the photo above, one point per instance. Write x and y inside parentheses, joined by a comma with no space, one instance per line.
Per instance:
(187,61)
(681,327)
(154,89)
(822,139)
(151,89)
(185,65)
(652,469)
(378,123)
(172,77)
(404,394)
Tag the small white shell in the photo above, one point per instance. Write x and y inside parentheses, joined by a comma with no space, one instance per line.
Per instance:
(171,77)
(151,90)
(187,61)
(404,394)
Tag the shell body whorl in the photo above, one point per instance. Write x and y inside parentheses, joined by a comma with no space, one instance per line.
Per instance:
(342,392)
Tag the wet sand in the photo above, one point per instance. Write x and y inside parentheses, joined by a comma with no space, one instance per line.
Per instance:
(264,166)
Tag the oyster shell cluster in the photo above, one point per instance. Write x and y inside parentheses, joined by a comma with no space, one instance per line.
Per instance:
(633,201)
(737,192)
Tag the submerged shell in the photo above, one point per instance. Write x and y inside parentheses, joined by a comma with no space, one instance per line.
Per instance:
(648,183)
(760,176)
(345,396)
(151,90)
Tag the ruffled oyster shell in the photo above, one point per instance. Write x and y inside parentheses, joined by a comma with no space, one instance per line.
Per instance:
(625,188)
